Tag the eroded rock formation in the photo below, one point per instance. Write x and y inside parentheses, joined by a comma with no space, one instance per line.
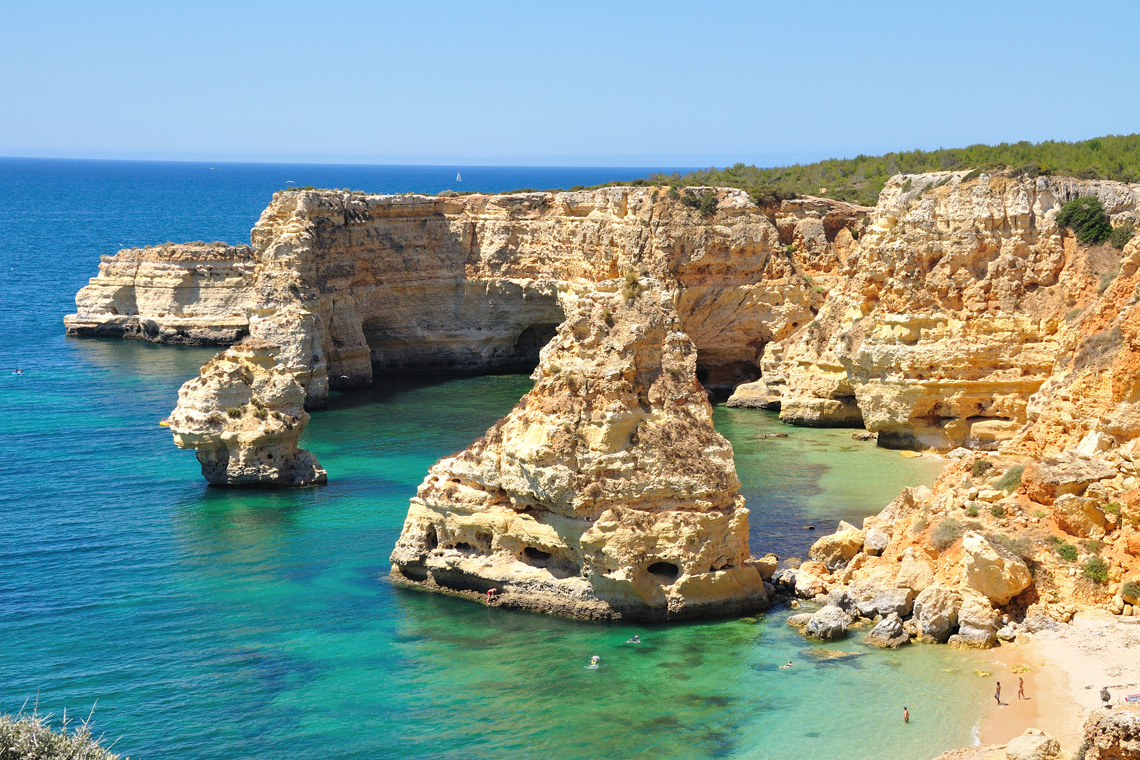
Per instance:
(412,282)
(960,301)
(605,493)
(192,293)
(244,415)
(1113,734)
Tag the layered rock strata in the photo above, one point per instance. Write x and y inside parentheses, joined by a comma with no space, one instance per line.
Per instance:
(605,493)
(192,293)
(429,283)
(244,415)
(961,300)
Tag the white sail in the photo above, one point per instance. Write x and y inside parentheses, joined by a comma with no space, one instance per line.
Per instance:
(458,177)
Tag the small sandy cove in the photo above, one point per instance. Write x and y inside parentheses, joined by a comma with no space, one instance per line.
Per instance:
(1066,670)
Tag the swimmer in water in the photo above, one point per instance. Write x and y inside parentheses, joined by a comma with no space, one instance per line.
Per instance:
(635,640)
(786,666)
(594,661)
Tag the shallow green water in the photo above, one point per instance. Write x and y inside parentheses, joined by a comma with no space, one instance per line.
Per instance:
(224,624)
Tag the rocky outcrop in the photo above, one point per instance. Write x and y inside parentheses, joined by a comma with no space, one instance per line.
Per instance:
(191,293)
(1033,744)
(243,415)
(888,633)
(828,624)
(956,307)
(413,282)
(1113,734)
(605,493)
(992,570)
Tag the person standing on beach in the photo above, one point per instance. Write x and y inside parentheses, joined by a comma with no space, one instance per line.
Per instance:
(1021,688)
(906,715)
(997,693)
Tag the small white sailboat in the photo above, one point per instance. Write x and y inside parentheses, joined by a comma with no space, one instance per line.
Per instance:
(458,177)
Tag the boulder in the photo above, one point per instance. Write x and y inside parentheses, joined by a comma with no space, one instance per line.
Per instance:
(754,395)
(767,565)
(1034,744)
(836,550)
(888,633)
(1130,508)
(1113,734)
(887,601)
(914,571)
(936,613)
(785,578)
(1070,473)
(876,541)
(978,623)
(811,580)
(1131,541)
(828,623)
(905,503)
(840,597)
(991,570)
(1079,516)
(1094,443)
(799,621)
(1037,620)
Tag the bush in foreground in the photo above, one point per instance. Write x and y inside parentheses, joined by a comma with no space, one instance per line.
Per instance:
(30,737)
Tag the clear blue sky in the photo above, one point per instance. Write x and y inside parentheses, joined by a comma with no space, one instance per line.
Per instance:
(696,83)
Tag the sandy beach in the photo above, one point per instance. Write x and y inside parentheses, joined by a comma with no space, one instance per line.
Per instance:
(1066,670)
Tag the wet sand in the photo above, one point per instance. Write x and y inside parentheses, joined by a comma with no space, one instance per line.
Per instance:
(1067,669)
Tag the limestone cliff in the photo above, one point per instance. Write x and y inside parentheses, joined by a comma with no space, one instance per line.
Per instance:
(412,282)
(956,307)
(605,493)
(244,415)
(193,293)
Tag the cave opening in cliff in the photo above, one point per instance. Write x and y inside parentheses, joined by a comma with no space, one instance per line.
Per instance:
(536,555)
(530,343)
(665,571)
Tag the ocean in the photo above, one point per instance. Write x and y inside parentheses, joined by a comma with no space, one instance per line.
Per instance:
(205,623)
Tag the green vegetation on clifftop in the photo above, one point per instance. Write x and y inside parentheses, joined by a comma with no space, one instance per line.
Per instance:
(860,179)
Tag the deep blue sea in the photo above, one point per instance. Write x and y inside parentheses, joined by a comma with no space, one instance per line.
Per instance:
(208,623)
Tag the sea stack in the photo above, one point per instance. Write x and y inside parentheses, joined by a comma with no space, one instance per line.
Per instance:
(244,415)
(605,493)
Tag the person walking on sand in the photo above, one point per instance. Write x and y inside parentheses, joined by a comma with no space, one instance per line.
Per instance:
(906,715)
(1021,688)
(997,693)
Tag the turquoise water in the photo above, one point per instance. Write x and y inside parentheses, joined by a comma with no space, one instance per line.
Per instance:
(210,623)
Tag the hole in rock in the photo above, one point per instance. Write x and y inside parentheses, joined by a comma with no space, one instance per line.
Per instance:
(463,546)
(431,538)
(536,555)
(531,340)
(666,571)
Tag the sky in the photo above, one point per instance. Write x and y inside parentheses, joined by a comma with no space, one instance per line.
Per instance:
(698,83)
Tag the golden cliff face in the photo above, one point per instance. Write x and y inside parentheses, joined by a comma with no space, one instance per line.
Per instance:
(244,415)
(954,311)
(191,293)
(605,493)
(435,283)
